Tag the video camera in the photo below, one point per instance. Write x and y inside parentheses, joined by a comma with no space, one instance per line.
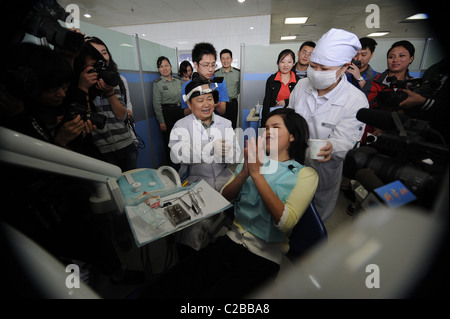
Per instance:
(76,109)
(42,21)
(407,151)
(392,99)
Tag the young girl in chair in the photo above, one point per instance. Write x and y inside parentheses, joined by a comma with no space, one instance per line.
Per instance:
(270,193)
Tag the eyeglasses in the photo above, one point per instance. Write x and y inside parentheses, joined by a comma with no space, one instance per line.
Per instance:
(306,53)
(208,66)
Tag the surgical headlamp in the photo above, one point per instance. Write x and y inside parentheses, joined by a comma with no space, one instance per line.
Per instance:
(197,91)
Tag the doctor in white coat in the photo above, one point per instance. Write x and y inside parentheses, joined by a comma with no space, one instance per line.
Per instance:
(329,104)
(204,144)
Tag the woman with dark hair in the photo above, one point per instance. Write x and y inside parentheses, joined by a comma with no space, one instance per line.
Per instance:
(280,84)
(270,195)
(166,101)
(399,58)
(100,88)
(185,71)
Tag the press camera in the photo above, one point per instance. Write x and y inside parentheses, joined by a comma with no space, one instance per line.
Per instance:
(110,78)
(392,99)
(407,150)
(75,109)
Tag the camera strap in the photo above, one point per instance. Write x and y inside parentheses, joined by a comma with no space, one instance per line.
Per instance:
(399,124)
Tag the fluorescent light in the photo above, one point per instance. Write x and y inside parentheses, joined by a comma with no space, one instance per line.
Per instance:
(251,28)
(289,37)
(418,16)
(298,20)
(378,34)
(87,15)
(241,1)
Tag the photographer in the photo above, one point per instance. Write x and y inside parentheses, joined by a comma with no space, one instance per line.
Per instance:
(360,73)
(39,77)
(50,208)
(102,90)
(399,57)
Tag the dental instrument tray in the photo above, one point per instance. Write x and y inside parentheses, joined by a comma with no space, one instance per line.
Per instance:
(176,214)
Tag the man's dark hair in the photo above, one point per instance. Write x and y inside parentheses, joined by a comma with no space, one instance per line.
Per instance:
(368,43)
(226,51)
(307,43)
(201,49)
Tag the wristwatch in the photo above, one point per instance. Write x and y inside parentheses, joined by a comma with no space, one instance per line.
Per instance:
(360,79)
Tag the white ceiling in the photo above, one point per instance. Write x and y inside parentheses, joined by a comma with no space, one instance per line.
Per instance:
(323,14)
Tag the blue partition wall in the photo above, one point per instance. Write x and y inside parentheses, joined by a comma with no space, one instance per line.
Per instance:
(151,155)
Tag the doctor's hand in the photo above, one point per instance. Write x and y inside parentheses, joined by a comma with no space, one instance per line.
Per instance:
(326,152)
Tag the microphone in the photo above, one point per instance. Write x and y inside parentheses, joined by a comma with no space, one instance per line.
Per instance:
(379,118)
(291,168)
(368,179)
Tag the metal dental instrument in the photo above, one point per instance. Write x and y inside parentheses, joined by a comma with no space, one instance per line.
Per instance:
(200,196)
(195,206)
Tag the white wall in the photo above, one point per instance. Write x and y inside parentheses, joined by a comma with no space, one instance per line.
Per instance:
(222,33)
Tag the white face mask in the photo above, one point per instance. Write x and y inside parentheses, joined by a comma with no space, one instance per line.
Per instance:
(321,80)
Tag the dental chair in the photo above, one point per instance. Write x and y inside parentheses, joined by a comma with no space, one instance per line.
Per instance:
(309,231)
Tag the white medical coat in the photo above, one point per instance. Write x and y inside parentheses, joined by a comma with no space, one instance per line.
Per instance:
(331,117)
(193,147)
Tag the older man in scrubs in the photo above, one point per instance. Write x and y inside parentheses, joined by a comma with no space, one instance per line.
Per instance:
(329,104)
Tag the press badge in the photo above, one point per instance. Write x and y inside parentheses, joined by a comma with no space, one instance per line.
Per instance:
(328,125)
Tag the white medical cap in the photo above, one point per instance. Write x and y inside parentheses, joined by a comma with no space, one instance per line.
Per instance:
(335,48)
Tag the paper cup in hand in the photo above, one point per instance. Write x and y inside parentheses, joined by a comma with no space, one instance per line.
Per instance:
(314,148)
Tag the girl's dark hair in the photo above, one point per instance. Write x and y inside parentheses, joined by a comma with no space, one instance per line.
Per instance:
(112,65)
(160,61)
(284,53)
(298,127)
(183,68)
